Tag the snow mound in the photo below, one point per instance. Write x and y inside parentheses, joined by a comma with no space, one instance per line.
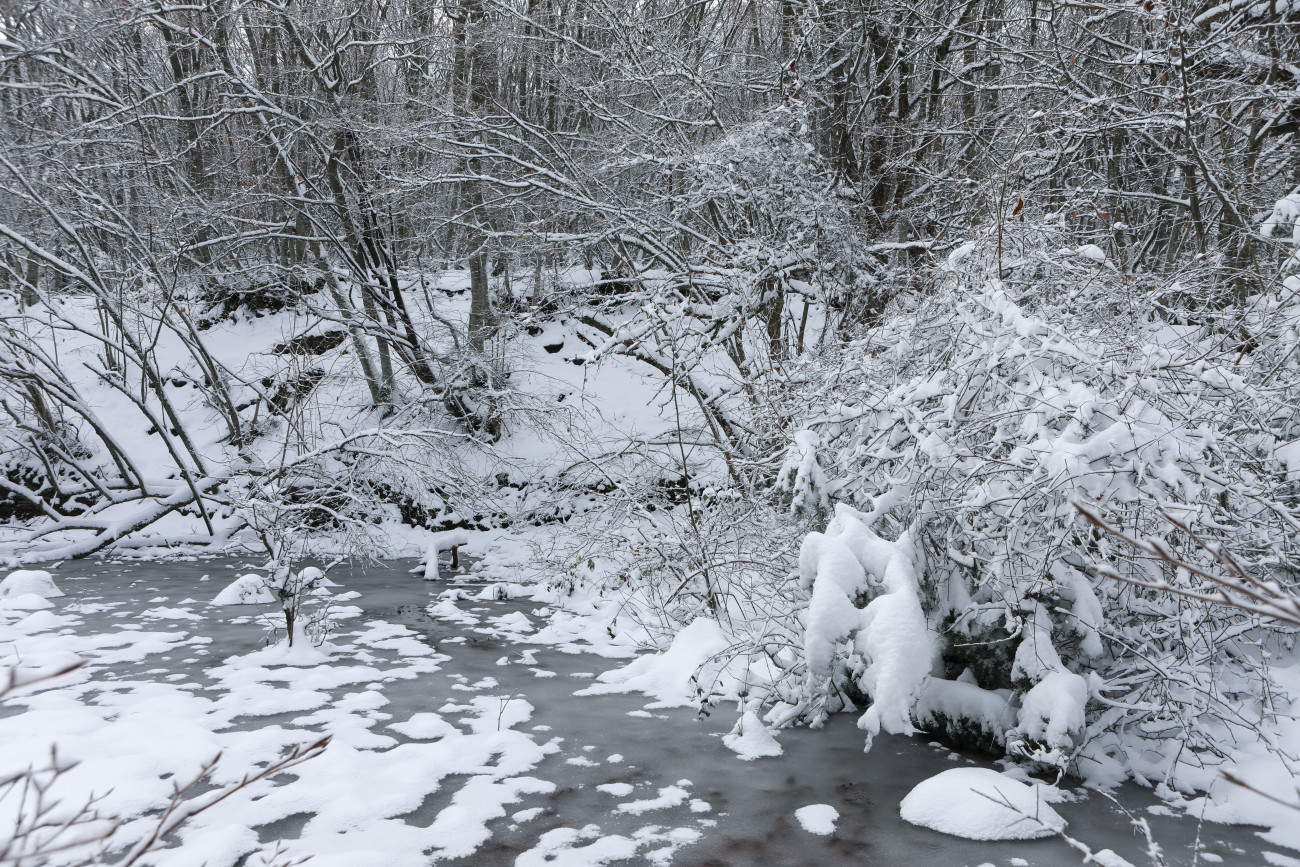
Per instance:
(750,739)
(666,676)
(29,581)
(515,621)
(980,804)
(302,653)
(25,602)
(818,818)
(425,726)
(246,590)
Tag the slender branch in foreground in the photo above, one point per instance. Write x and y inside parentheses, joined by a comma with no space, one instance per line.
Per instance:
(38,832)
(181,809)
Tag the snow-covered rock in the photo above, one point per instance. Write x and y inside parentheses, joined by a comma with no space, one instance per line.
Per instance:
(248,589)
(980,804)
(818,818)
(24,582)
(25,602)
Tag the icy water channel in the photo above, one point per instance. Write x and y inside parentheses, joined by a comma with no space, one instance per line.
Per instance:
(608,782)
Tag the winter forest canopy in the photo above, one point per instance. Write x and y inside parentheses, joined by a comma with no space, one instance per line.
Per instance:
(932,361)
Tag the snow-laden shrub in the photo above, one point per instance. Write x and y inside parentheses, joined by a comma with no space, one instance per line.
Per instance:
(961,428)
(803,481)
(250,589)
(1284,222)
(642,579)
(1284,225)
(841,569)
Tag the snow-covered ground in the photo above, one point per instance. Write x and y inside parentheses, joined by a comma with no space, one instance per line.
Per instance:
(564,414)
(468,726)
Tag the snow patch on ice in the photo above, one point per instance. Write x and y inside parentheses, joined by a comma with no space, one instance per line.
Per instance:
(669,796)
(498,713)
(818,818)
(558,847)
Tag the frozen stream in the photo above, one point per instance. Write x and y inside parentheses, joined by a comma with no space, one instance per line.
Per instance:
(462,743)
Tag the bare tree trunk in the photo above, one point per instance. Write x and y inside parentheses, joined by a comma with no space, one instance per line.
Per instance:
(480,305)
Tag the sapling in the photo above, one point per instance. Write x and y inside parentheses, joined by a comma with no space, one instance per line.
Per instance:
(304,601)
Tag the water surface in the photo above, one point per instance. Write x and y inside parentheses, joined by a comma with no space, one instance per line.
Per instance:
(744,811)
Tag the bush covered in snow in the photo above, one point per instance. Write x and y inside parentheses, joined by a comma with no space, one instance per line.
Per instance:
(955,588)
